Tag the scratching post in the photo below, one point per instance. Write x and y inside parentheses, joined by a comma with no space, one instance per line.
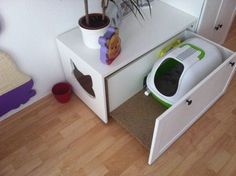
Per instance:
(15,86)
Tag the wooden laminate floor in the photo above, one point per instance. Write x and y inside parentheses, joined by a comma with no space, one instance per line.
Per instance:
(52,139)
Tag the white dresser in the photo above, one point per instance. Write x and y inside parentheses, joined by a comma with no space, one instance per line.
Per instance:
(106,87)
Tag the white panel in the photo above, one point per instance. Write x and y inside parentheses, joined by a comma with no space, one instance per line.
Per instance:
(175,121)
(128,81)
(225,17)
(208,18)
(216,12)
(97,103)
(235,12)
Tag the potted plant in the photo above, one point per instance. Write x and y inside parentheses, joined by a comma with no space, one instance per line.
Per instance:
(94,25)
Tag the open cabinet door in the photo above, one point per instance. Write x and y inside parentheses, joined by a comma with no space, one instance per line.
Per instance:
(177,119)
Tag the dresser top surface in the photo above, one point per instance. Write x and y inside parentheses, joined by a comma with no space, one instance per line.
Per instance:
(137,37)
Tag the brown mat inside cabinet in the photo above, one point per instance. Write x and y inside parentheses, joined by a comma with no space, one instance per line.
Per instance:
(138,115)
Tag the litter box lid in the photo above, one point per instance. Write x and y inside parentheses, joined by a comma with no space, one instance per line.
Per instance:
(181,69)
(167,76)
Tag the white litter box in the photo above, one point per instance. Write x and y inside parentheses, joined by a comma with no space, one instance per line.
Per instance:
(181,69)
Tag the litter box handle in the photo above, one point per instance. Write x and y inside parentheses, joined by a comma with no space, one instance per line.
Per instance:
(202,52)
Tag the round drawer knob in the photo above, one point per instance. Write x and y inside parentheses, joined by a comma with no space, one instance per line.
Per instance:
(232,63)
(217,28)
(189,102)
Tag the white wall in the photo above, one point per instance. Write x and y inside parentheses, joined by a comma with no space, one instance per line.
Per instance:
(192,7)
(28,32)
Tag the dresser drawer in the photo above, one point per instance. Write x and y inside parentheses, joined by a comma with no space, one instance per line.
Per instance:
(171,123)
(176,120)
(129,80)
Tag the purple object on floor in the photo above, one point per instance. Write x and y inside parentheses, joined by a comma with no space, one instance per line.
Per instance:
(14,98)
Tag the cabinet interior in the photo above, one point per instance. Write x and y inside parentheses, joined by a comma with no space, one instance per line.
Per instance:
(138,114)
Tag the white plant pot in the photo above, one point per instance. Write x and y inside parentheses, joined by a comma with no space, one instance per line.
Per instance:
(91,36)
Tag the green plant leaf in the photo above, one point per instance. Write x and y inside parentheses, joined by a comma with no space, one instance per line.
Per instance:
(134,3)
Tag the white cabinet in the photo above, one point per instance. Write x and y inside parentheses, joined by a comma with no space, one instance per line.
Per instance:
(136,39)
(106,88)
(216,19)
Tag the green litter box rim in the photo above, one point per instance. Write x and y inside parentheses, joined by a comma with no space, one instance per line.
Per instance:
(164,103)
